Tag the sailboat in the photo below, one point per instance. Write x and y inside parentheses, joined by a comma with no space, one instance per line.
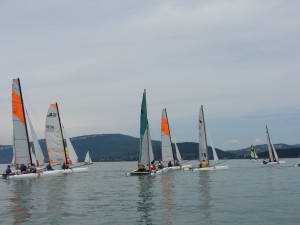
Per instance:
(56,147)
(145,151)
(88,159)
(168,153)
(71,153)
(203,148)
(273,157)
(253,155)
(21,146)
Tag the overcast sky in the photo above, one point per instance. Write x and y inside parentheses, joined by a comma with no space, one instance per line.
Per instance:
(238,58)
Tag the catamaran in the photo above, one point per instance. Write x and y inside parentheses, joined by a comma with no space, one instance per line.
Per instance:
(168,153)
(21,146)
(203,148)
(273,157)
(146,152)
(56,147)
(253,155)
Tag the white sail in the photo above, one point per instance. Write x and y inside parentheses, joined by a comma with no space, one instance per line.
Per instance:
(54,138)
(146,152)
(88,159)
(216,159)
(177,152)
(20,140)
(73,158)
(275,153)
(40,159)
(203,151)
(166,144)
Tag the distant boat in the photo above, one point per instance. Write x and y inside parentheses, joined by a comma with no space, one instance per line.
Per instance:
(56,147)
(21,147)
(71,153)
(203,148)
(273,157)
(146,152)
(168,153)
(88,160)
(253,155)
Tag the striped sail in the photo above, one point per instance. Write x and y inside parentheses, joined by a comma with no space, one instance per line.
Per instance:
(39,156)
(203,151)
(146,152)
(54,138)
(269,146)
(20,139)
(166,144)
(72,156)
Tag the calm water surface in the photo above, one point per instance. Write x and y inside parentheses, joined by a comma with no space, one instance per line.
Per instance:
(247,193)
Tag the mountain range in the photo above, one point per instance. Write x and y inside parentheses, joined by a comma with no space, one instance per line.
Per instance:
(118,147)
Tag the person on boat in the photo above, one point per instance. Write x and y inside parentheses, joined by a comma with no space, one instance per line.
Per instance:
(49,167)
(160,165)
(141,168)
(265,161)
(203,164)
(177,163)
(170,164)
(32,168)
(8,170)
(68,166)
(63,166)
(23,168)
(153,167)
(17,166)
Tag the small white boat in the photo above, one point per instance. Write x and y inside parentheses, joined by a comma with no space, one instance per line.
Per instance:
(273,157)
(203,148)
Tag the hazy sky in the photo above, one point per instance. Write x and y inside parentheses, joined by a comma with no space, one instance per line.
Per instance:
(238,58)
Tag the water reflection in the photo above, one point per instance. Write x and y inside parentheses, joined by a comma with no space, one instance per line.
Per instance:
(145,204)
(205,197)
(21,201)
(167,198)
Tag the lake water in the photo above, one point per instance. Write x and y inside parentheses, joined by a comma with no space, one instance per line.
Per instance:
(247,193)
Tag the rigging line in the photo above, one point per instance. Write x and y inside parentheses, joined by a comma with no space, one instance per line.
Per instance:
(41,127)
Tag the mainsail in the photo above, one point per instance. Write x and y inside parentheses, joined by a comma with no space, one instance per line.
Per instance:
(203,150)
(20,139)
(54,136)
(271,158)
(166,143)
(146,152)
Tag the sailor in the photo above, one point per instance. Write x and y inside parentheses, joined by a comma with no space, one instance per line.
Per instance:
(177,163)
(23,168)
(8,170)
(160,165)
(153,166)
(141,168)
(49,167)
(170,164)
(203,164)
(32,169)
(63,166)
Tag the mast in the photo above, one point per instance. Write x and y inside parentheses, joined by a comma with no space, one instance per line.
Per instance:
(30,158)
(62,136)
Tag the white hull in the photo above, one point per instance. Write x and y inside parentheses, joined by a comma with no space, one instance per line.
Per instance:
(209,168)
(51,173)
(180,167)
(153,173)
(75,170)
(297,165)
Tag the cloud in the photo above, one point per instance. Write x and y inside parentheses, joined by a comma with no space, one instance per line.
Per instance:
(233,142)
(257,141)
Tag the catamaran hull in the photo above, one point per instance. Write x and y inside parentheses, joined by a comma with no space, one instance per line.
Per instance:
(209,168)
(75,170)
(21,176)
(51,173)
(183,167)
(139,173)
